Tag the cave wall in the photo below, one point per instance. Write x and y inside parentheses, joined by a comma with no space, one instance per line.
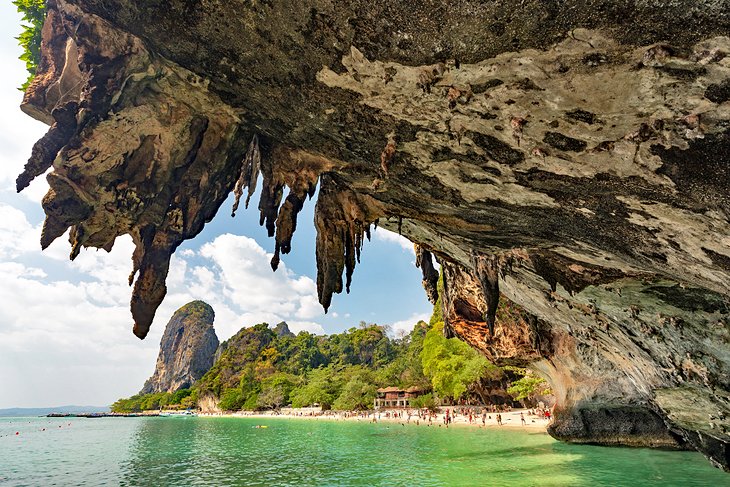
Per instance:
(570,157)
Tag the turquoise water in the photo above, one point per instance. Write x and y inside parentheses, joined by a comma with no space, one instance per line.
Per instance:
(229,451)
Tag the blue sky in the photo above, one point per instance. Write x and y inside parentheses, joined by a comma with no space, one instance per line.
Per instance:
(65,328)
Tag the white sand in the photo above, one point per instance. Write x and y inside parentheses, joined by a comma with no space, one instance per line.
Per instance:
(509,419)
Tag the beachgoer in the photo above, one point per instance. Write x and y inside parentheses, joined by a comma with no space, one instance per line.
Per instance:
(522,418)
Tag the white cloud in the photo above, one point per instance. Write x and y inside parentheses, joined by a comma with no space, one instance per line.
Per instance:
(66,331)
(405,326)
(17,235)
(310,326)
(383,235)
(243,272)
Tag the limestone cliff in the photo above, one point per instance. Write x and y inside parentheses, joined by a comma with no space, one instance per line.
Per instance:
(187,349)
(569,156)
(282,330)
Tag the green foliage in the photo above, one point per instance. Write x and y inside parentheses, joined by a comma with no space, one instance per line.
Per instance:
(424,401)
(265,371)
(232,400)
(252,402)
(34,13)
(451,364)
(259,369)
(178,396)
(405,369)
(358,392)
(528,387)
(182,399)
(322,387)
(275,390)
(190,401)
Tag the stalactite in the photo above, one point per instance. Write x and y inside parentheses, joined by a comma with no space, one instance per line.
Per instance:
(448,270)
(486,270)
(297,171)
(424,261)
(286,225)
(271,193)
(155,248)
(250,168)
(45,150)
(135,169)
(342,220)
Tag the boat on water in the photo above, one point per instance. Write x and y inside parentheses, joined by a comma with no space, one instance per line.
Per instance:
(178,414)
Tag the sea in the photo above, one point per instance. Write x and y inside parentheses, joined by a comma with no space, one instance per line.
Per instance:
(225,451)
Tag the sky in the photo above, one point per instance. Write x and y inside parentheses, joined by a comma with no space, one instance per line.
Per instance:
(65,327)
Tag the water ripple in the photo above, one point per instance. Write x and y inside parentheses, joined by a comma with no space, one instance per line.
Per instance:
(231,452)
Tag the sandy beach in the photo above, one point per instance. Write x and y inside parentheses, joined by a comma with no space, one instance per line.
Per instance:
(510,419)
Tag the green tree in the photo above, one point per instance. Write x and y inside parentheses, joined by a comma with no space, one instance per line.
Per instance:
(450,364)
(358,392)
(252,402)
(424,401)
(190,401)
(178,396)
(34,14)
(275,390)
(529,386)
(232,400)
(323,386)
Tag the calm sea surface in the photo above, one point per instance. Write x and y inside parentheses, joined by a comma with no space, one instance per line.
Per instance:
(230,451)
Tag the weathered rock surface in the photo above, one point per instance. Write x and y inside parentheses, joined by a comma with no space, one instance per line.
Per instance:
(187,349)
(571,157)
(282,330)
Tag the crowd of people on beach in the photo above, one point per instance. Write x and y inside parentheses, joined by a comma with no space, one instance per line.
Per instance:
(443,416)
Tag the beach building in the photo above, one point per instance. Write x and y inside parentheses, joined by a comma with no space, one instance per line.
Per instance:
(393,397)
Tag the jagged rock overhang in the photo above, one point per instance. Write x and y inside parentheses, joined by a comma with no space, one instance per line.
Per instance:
(586,149)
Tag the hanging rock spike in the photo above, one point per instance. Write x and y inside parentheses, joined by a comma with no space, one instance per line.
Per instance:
(341,219)
(250,168)
(424,261)
(486,270)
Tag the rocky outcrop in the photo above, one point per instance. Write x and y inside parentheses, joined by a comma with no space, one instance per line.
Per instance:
(565,156)
(187,349)
(282,330)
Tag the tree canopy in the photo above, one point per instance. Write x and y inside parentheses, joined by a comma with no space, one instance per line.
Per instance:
(451,365)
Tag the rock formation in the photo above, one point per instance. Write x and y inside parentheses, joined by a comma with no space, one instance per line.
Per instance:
(282,330)
(187,349)
(569,156)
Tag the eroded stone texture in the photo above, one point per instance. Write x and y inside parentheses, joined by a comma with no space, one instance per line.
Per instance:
(342,219)
(141,146)
(562,161)
(187,349)
(424,261)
